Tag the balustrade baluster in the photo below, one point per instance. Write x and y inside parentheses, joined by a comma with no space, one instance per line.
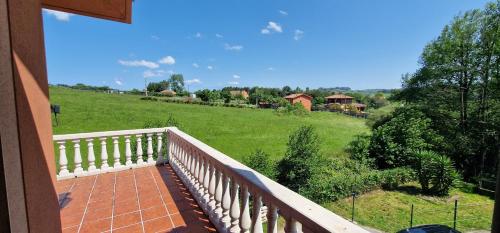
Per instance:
(272,218)
(116,153)
(256,214)
(196,186)
(150,148)
(78,158)
(211,190)
(160,158)
(218,197)
(128,151)
(226,203)
(206,185)
(201,175)
(235,207)
(139,152)
(245,221)
(104,155)
(91,155)
(63,160)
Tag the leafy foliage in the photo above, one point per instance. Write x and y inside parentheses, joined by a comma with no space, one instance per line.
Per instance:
(302,159)
(435,172)
(407,130)
(261,162)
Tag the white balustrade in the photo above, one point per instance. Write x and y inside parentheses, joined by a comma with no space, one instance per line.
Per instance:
(233,195)
(230,193)
(101,166)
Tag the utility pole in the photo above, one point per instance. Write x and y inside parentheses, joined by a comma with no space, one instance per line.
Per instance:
(145,86)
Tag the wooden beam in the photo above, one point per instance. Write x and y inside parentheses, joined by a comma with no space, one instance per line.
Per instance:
(116,10)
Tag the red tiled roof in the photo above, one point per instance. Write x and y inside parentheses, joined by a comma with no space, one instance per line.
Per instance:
(339,96)
(293,96)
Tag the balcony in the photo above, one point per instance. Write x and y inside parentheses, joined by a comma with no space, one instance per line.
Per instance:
(178,185)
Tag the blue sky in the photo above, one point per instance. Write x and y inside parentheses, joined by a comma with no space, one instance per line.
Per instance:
(317,43)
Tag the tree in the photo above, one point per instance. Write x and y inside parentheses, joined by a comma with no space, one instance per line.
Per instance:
(407,130)
(176,83)
(301,159)
(457,86)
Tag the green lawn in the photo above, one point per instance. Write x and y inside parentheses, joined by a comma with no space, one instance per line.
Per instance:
(234,131)
(390,210)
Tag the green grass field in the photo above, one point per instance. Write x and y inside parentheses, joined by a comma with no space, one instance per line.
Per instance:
(390,210)
(234,131)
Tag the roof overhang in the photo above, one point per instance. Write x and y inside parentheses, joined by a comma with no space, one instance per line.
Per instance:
(116,10)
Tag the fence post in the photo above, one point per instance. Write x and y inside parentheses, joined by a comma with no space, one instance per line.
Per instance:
(411,216)
(352,214)
(455,215)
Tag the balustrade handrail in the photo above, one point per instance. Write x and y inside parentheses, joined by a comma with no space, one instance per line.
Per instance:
(290,204)
(77,136)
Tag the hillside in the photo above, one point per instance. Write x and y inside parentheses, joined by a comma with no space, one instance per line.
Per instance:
(234,131)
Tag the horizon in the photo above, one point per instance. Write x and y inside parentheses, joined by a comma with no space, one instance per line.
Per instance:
(267,44)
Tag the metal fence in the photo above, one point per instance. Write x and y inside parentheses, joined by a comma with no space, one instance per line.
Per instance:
(457,215)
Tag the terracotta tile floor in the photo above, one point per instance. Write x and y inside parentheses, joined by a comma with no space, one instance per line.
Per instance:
(150,199)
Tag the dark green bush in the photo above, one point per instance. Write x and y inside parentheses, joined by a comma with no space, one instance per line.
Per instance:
(436,173)
(358,149)
(261,162)
(301,160)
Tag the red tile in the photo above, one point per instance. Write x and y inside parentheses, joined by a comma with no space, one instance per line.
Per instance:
(154,212)
(158,224)
(73,229)
(97,214)
(96,226)
(126,219)
(125,207)
(129,229)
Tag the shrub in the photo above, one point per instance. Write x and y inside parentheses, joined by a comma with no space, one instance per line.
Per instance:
(301,159)
(358,149)
(436,173)
(149,98)
(393,178)
(342,177)
(261,162)
(393,143)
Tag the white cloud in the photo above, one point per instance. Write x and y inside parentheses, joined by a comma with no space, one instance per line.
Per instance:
(235,76)
(118,82)
(168,60)
(210,67)
(193,81)
(171,72)
(298,34)
(219,35)
(233,83)
(153,73)
(195,65)
(233,47)
(282,12)
(271,69)
(148,64)
(198,35)
(155,37)
(271,28)
(61,16)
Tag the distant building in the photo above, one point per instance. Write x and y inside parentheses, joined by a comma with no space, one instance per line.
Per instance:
(339,99)
(360,107)
(302,98)
(243,93)
(168,92)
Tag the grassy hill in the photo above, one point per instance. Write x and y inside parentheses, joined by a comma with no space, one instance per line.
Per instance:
(234,131)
